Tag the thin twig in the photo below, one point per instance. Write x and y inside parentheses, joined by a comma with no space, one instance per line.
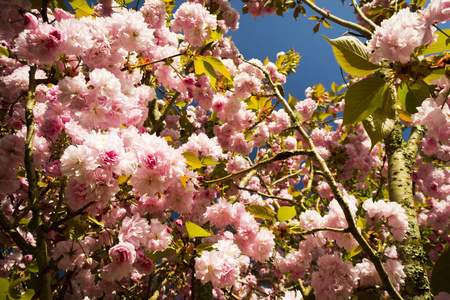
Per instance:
(353,229)
(364,31)
(279,156)
(363,16)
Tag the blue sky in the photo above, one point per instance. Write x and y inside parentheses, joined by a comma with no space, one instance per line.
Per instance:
(266,36)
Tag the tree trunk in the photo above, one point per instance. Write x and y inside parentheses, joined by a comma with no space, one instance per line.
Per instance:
(411,254)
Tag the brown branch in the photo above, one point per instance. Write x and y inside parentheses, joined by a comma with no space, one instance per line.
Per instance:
(353,229)
(165,113)
(279,156)
(11,230)
(363,16)
(356,27)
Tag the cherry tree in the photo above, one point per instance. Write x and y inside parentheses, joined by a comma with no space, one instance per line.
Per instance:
(143,157)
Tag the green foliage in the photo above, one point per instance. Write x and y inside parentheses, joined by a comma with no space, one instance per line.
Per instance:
(82,8)
(258,103)
(441,274)
(351,54)
(158,255)
(380,124)
(192,160)
(4,51)
(208,65)
(259,211)
(195,231)
(364,97)
(286,213)
(4,287)
(288,62)
(14,293)
(441,45)
(411,97)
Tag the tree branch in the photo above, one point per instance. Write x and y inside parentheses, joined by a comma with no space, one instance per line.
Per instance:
(280,156)
(165,113)
(356,27)
(353,229)
(363,16)
(10,230)
(410,249)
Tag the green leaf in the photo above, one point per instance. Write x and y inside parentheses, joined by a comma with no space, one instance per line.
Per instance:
(292,101)
(195,231)
(82,8)
(156,256)
(352,56)
(326,24)
(363,224)
(355,251)
(286,213)
(259,211)
(411,97)
(123,2)
(27,295)
(4,287)
(13,293)
(201,66)
(192,159)
(363,98)
(4,51)
(441,45)
(32,266)
(207,161)
(218,65)
(436,74)
(379,125)
(204,247)
(441,274)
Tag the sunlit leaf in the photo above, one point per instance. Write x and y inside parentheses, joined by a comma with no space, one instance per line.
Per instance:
(207,161)
(379,124)
(363,98)
(362,223)
(355,251)
(4,51)
(82,8)
(442,44)
(195,231)
(192,159)
(352,55)
(4,287)
(286,213)
(218,66)
(204,247)
(259,211)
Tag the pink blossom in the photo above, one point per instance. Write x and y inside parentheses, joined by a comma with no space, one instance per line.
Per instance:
(334,279)
(72,255)
(40,45)
(134,230)
(123,253)
(159,237)
(195,21)
(154,12)
(397,37)
(438,11)
(392,212)
(221,267)
(221,213)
